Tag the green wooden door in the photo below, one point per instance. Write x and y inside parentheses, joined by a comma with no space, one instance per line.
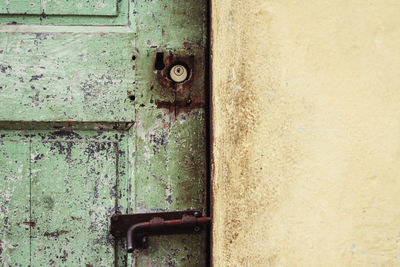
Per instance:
(88,128)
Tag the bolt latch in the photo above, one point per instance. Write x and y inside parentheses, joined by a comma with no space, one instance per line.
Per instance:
(137,227)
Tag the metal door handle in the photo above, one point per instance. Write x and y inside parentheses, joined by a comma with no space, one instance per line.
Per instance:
(137,227)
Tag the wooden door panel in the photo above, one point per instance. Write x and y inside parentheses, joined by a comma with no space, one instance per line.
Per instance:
(65,12)
(29,7)
(66,76)
(79,7)
(59,7)
(74,193)
(59,190)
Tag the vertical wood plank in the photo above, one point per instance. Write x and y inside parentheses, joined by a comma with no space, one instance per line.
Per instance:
(14,203)
(170,142)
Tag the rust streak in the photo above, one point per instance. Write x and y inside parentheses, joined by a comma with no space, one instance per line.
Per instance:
(33,224)
(178,104)
(76,218)
(56,233)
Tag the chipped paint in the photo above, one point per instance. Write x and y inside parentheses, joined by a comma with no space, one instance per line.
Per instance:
(58,12)
(170,142)
(86,129)
(60,176)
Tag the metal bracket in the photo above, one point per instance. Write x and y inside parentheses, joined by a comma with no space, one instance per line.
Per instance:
(137,227)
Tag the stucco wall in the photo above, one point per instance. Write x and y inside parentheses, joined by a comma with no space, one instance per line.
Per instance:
(306,132)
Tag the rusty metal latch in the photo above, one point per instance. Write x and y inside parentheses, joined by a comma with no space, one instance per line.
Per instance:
(137,227)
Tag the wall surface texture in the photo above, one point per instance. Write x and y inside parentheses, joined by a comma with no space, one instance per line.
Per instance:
(306,132)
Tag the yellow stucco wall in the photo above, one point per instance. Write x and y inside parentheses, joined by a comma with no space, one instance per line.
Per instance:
(306,132)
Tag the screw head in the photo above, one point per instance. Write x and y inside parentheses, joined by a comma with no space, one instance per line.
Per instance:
(178,73)
(115,217)
(196,228)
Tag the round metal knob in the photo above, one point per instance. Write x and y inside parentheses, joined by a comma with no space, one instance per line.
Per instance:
(178,73)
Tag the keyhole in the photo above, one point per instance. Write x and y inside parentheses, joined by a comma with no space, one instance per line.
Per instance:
(159,65)
(178,73)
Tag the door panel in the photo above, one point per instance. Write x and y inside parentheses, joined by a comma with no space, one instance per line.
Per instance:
(64,12)
(74,193)
(58,193)
(29,7)
(80,75)
(78,7)
(59,7)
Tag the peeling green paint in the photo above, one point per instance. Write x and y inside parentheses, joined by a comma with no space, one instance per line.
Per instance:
(61,189)
(81,135)
(59,12)
(14,199)
(69,76)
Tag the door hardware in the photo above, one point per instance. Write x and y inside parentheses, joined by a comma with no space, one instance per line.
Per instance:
(175,72)
(137,227)
(178,73)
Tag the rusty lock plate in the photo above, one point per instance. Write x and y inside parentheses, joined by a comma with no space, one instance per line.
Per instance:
(172,68)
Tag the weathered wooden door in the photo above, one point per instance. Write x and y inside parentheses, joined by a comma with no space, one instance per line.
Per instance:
(89,126)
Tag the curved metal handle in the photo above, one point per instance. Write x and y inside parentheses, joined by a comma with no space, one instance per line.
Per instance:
(137,233)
